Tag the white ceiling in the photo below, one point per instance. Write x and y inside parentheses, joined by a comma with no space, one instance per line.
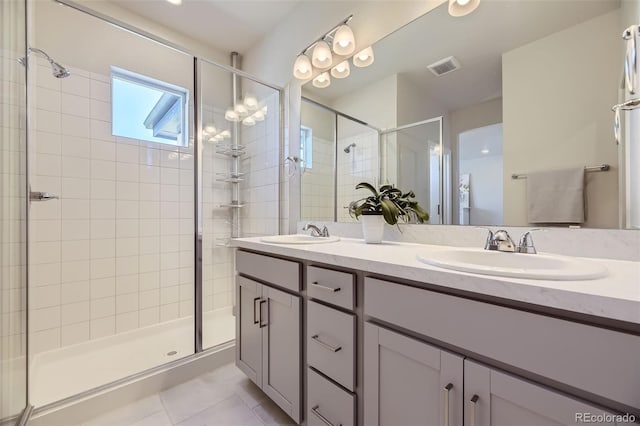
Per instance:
(231,25)
(477,40)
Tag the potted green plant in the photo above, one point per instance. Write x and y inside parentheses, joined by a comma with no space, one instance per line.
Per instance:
(386,204)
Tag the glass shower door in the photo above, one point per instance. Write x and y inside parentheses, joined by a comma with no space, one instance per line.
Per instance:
(13,255)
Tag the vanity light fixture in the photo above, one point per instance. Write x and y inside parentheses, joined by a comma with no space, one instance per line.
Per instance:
(459,8)
(249,121)
(241,110)
(322,57)
(302,68)
(364,58)
(231,115)
(344,43)
(213,134)
(322,81)
(339,41)
(341,70)
(175,2)
(250,102)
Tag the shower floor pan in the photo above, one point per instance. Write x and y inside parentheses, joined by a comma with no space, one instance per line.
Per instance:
(68,371)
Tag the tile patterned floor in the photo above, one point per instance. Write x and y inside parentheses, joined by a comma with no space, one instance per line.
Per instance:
(223,397)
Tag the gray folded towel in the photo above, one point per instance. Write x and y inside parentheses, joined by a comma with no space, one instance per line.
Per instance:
(556,196)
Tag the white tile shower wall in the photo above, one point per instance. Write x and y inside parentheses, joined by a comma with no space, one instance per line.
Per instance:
(359,165)
(116,251)
(260,190)
(12,232)
(317,183)
(217,262)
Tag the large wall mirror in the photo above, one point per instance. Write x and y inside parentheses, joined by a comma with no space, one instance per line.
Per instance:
(527,88)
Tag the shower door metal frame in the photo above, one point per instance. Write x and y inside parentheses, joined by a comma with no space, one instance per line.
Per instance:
(197,146)
(440,120)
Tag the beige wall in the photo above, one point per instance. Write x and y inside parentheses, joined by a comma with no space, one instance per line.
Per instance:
(374,104)
(557,97)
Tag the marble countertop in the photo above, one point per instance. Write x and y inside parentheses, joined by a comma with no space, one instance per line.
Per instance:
(616,296)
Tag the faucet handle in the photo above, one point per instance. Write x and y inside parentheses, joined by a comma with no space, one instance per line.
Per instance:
(324,232)
(525,245)
(490,244)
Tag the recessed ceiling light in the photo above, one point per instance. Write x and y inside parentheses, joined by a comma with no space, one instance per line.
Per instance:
(176,2)
(485,151)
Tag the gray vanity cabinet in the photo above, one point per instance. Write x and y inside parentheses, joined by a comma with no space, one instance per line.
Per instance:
(268,330)
(498,399)
(408,382)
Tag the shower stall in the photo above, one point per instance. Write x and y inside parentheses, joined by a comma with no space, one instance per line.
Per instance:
(125,172)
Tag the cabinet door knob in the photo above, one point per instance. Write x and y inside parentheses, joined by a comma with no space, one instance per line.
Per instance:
(327,346)
(446,390)
(473,401)
(324,287)
(315,410)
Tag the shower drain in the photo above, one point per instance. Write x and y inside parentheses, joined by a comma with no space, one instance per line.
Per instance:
(172,353)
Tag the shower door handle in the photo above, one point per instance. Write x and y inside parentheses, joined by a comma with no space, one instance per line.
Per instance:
(42,196)
(631,58)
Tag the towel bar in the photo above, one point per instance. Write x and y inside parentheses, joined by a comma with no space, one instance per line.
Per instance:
(600,168)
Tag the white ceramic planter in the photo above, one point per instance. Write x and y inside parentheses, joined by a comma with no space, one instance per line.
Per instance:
(372,228)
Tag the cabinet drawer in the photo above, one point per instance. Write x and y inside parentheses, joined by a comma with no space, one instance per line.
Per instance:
(328,404)
(557,349)
(331,286)
(330,343)
(283,273)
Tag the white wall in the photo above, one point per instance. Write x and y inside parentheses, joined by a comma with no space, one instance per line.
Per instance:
(485,181)
(461,120)
(557,95)
(375,104)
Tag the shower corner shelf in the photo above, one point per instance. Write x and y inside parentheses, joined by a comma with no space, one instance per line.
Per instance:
(231,206)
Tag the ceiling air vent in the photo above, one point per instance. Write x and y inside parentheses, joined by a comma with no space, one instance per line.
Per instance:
(444,66)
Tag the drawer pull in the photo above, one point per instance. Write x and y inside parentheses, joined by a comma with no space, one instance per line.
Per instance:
(446,390)
(474,400)
(326,421)
(324,287)
(327,346)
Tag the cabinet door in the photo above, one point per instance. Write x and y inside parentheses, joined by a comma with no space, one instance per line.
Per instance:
(497,399)
(408,382)
(281,349)
(248,332)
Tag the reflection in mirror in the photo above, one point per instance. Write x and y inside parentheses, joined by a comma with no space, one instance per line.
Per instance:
(337,153)
(532,92)
(411,160)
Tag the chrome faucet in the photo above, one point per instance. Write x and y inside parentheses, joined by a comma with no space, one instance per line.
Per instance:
(501,241)
(315,231)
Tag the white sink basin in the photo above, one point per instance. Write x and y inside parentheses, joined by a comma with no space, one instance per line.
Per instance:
(298,239)
(517,265)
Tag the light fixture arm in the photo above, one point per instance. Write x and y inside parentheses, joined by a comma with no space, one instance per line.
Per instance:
(327,34)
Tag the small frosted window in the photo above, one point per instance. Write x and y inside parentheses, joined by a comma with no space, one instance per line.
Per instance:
(148,109)
(306,147)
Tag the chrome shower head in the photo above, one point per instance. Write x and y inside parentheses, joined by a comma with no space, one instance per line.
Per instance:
(58,70)
(348,148)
